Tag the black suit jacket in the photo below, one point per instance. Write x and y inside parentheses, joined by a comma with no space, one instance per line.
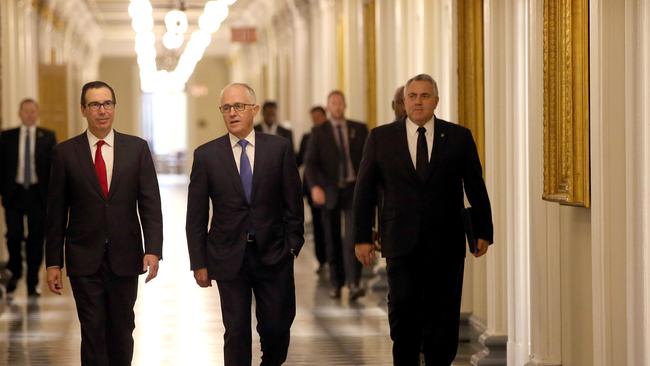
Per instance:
(413,210)
(281,131)
(322,158)
(9,143)
(88,225)
(275,210)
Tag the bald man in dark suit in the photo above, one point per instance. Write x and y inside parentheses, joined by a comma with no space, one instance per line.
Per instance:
(255,232)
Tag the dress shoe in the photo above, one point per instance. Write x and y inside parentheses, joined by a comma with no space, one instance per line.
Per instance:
(356,292)
(335,293)
(11,287)
(33,292)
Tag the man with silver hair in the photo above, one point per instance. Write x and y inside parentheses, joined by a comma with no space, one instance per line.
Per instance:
(418,168)
(255,232)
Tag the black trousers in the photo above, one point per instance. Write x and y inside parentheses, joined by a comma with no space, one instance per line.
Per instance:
(275,309)
(105,308)
(344,268)
(424,294)
(25,202)
(320,248)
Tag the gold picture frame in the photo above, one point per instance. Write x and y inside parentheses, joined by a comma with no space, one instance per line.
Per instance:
(566,102)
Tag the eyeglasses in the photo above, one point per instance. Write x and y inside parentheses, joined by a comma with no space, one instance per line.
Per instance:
(108,105)
(238,107)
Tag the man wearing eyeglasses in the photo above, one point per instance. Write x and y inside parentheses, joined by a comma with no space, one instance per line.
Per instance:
(101,182)
(24,173)
(255,232)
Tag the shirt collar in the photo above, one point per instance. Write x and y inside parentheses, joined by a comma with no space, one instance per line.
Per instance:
(92,139)
(234,140)
(412,127)
(337,122)
(25,128)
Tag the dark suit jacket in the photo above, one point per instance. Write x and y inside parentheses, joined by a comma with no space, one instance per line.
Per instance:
(412,210)
(88,225)
(45,141)
(300,160)
(281,131)
(322,159)
(275,210)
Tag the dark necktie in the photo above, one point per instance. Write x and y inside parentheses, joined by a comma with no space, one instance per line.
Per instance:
(100,168)
(422,157)
(27,175)
(343,161)
(245,171)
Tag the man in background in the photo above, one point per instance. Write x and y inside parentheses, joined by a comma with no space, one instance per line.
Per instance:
(398,104)
(270,123)
(332,162)
(24,174)
(318,117)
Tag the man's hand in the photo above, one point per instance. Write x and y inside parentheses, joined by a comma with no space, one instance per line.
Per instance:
(201,277)
(54,282)
(365,253)
(318,195)
(150,263)
(482,247)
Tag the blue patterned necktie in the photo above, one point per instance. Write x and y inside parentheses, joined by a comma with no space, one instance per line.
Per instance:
(245,171)
(27,175)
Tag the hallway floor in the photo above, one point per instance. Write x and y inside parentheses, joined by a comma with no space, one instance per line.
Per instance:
(178,323)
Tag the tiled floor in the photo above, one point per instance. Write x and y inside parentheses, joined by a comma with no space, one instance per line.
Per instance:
(178,323)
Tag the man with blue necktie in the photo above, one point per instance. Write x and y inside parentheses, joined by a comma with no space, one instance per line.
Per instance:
(24,174)
(255,232)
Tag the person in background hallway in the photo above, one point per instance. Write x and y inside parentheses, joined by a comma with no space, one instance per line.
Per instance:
(333,157)
(101,181)
(24,174)
(398,104)
(318,117)
(419,167)
(256,229)
(270,124)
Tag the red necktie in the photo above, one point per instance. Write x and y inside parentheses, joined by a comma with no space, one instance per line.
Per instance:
(100,168)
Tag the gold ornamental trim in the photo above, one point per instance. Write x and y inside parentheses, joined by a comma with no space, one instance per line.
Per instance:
(371,62)
(566,102)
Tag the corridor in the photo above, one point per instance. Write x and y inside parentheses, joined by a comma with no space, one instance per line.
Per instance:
(178,323)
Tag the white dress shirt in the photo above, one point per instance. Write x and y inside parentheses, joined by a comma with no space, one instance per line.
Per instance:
(412,138)
(20,174)
(237,149)
(107,152)
(271,130)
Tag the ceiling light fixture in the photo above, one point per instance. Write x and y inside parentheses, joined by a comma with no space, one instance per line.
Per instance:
(152,79)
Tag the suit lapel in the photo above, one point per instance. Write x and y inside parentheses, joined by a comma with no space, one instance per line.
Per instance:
(225,154)
(86,162)
(439,145)
(119,154)
(260,161)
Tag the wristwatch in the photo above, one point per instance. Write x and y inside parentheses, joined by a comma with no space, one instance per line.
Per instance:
(293,252)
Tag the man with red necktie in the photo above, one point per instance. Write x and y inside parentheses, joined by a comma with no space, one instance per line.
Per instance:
(103,194)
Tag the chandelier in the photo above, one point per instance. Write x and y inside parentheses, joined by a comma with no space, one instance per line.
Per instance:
(176,23)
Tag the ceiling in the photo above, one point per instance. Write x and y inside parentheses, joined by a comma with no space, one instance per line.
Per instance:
(118,37)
